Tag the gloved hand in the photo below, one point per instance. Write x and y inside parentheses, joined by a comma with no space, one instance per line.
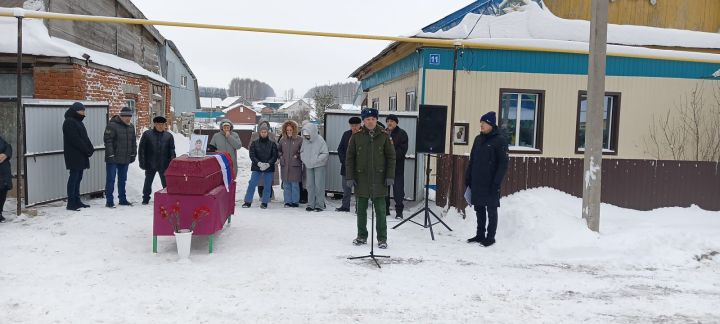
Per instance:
(389,182)
(264,166)
(350,183)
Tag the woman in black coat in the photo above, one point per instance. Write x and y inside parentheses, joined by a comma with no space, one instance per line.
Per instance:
(77,150)
(484,175)
(5,174)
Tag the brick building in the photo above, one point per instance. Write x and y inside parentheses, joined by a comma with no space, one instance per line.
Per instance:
(121,64)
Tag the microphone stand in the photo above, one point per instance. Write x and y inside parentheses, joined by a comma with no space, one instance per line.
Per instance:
(372,254)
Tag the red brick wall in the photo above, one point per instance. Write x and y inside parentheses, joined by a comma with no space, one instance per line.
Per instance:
(79,82)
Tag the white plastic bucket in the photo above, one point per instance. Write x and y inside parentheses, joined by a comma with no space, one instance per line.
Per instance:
(183,240)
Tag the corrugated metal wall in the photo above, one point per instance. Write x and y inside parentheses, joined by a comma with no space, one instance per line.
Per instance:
(336,123)
(45,165)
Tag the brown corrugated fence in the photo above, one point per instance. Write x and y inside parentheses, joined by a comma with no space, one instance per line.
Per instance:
(635,184)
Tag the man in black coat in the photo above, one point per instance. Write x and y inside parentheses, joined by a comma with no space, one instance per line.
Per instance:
(77,149)
(399,139)
(5,174)
(120,151)
(342,153)
(156,150)
(484,175)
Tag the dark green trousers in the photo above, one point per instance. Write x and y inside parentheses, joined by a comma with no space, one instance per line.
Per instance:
(380,218)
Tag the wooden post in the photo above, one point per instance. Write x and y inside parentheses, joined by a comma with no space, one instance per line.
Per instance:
(594,123)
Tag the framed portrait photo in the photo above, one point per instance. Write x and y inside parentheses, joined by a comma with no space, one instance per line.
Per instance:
(198,145)
(460,133)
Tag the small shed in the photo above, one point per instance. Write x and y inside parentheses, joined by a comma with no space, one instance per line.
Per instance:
(241,114)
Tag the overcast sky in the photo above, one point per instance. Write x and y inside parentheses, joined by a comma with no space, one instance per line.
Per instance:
(284,62)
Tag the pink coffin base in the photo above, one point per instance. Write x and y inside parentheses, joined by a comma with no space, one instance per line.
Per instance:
(220,202)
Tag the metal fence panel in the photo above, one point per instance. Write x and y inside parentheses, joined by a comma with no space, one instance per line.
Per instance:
(45,165)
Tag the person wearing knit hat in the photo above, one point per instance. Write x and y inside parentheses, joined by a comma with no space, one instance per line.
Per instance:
(354,123)
(399,140)
(263,154)
(227,140)
(120,151)
(155,151)
(484,176)
(77,150)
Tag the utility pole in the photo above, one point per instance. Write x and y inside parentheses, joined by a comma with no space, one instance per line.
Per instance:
(592,183)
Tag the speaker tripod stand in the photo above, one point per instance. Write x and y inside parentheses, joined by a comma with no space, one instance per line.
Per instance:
(428,223)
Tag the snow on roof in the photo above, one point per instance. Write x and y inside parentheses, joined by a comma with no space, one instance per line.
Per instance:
(240,105)
(37,41)
(207,102)
(288,104)
(533,22)
(274,100)
(227,102)
(349,107)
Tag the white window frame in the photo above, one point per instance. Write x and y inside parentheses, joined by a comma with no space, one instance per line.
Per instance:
(410,100)
(184,81)
(376,103)
(392,103)
(518,118)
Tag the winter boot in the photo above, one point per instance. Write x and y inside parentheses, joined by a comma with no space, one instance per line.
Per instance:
(145,201)
(309,209)
(263,206)
(109,205)
(246,205)
(125,203)
(359,241)
(488,242)
(2,219)
(382,245)
(342,209)
(476,239)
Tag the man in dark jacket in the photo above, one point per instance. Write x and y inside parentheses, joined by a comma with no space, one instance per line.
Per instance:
(5,174)
(77,149)
(484,175)
(342,154)
(370,167)
(157,149)
(120,151)
(399,139)
(263,154)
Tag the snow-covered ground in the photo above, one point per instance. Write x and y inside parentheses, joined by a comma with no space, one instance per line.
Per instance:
(290,266)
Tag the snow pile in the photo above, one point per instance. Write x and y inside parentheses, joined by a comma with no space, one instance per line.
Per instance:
(547,224)
(37,41)
(716,74)
(533,22)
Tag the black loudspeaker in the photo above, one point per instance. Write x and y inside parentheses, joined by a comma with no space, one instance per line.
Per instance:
(432,122)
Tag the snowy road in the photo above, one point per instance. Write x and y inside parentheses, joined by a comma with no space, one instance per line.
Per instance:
(289,266)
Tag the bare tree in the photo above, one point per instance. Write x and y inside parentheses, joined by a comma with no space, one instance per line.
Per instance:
(690,131)
(324,98)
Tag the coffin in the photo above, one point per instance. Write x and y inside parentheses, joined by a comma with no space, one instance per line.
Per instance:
(193,176)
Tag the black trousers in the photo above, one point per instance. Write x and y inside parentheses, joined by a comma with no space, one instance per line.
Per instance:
(3,196)
(489,216)
(149,177)
(73,188)
(398,192)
